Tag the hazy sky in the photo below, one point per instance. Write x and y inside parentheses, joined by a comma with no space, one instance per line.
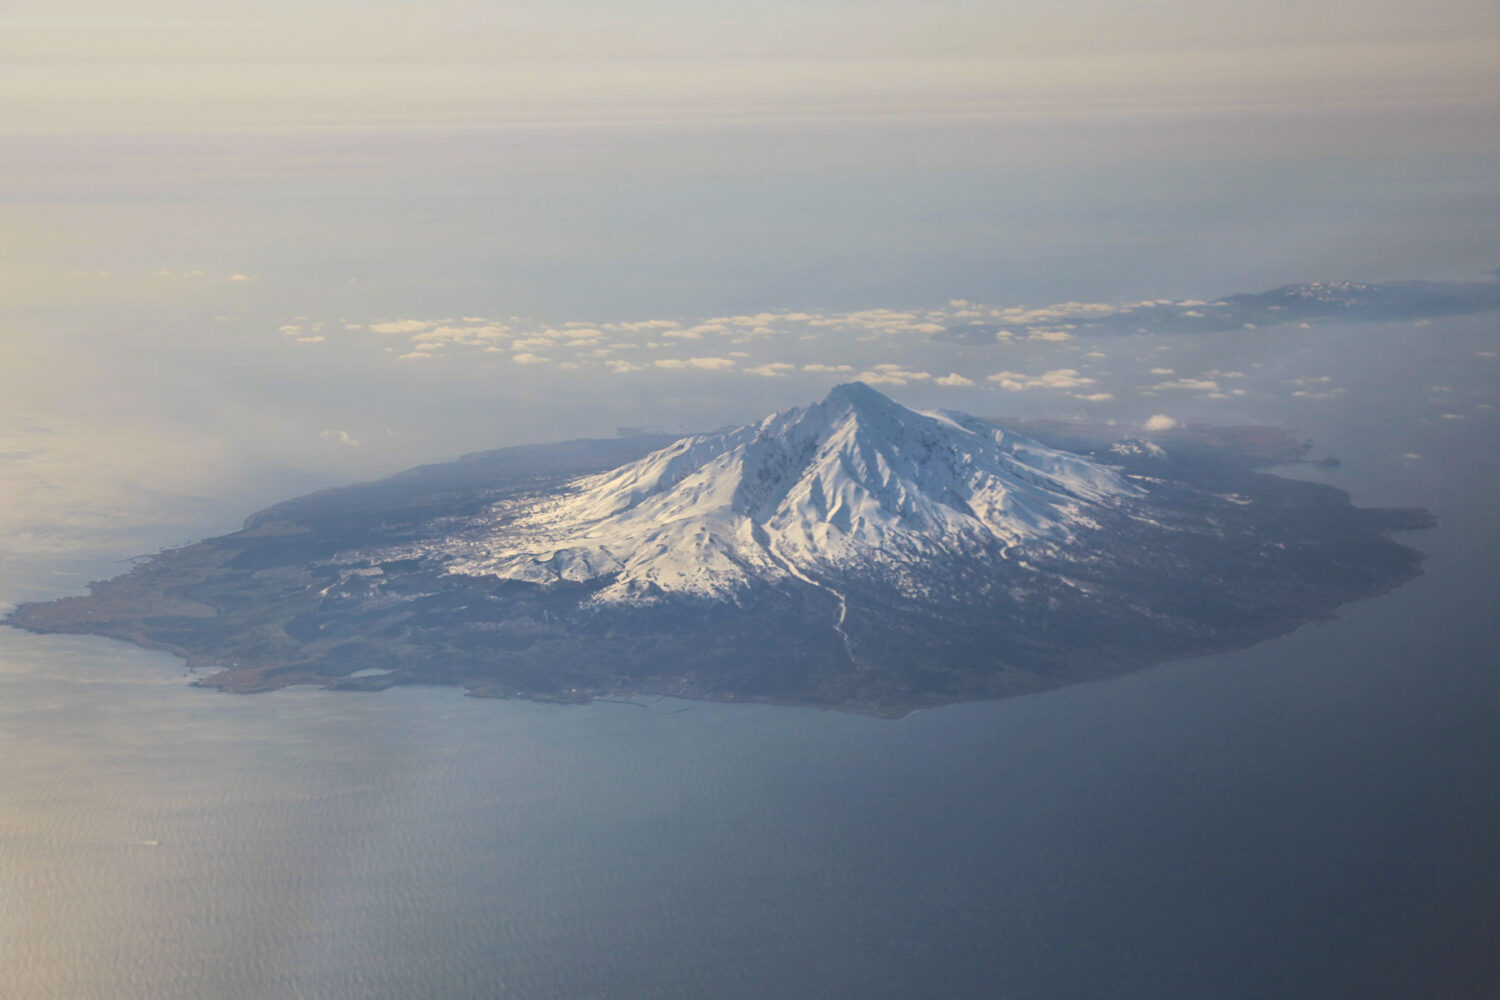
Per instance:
(209,65)
(209,212)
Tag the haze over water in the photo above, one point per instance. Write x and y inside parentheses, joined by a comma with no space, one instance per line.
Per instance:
(227,282)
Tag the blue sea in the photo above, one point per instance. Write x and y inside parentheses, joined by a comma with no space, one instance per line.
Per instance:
(1314,817)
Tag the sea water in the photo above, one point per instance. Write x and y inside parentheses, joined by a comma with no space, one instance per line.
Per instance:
(1316,816)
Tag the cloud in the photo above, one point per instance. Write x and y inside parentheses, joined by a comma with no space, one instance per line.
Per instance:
(703,364)
(1095,397)
(893,374)
(1187,385)
(645,325)
(954,380)
(620,367)
(341,437)
(525,358)
(1055,314)
(401,326)
(240,277)
(775,369)
(778,333)
(531,343)
(1315,387)
(1161,422)
(1057,378)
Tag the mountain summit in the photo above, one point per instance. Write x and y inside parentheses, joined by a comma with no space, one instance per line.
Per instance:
(848,483)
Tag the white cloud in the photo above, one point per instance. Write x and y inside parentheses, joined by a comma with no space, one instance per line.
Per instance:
(1188,385)
(531,343)
(400,326)
(1095,397)
(645,324)
(775,369)
(1056,313)
(240,277)
(620,367)
(702,364)
(341,437)
(1057,378)
(525,358)
(1161,422)
(892,374)
(813,336)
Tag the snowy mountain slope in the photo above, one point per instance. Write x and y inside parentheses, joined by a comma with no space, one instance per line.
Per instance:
(853,483)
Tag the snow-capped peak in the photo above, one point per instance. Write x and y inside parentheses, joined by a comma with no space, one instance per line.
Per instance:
(853,482)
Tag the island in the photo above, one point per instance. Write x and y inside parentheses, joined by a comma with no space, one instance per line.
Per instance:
(852,554)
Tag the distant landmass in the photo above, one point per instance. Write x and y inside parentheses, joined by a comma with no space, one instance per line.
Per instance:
(851,554)
(1306,302)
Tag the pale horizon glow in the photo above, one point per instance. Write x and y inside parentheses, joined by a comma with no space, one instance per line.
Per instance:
(81,67)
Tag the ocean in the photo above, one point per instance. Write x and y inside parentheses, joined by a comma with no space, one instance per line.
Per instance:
(1314,817)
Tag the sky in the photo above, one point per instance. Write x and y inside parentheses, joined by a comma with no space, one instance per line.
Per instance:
(219,66)
(246,252)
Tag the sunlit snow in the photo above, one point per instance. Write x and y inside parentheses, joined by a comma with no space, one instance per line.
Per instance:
(853,480)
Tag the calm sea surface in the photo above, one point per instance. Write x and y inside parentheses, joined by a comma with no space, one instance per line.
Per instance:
(1316,817)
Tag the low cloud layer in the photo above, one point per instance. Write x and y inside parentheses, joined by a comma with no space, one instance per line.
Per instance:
(1101,359)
